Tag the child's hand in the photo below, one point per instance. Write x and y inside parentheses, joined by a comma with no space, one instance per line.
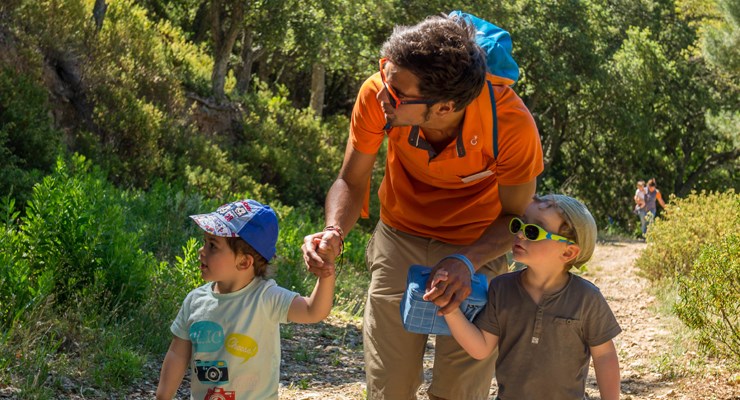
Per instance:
(440,276)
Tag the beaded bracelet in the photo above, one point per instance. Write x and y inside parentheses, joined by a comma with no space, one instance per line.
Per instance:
(341,235)
(341,249)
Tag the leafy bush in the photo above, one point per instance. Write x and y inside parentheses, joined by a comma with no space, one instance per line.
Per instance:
(282,145)
(18,291)
(160,216)
(710,297)
(56,26)
(75,230)
(212,172)
(28,142)
(170,283)
(676,238)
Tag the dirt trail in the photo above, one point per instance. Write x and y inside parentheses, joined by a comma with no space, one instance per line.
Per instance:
(324,361)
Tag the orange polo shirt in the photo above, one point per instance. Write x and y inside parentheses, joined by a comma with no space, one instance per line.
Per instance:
(450,196)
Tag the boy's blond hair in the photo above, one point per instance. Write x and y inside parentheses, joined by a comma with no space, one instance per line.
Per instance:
(578,224)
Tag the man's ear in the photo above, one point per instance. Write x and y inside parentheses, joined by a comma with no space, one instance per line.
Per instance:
(445,108)
(244,261)
(570,253)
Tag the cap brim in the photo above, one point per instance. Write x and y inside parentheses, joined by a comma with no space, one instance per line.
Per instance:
(213,224)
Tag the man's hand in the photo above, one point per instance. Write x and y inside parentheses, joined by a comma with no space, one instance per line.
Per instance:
(319,252)
(451,280)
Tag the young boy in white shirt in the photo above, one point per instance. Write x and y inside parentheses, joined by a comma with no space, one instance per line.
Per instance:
(228,330)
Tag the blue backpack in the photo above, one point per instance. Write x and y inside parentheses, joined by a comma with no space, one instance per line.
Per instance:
(496,42)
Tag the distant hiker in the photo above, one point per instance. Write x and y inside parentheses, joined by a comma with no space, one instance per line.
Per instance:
(652,196)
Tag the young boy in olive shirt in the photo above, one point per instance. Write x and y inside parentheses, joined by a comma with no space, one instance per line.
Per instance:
(546,321)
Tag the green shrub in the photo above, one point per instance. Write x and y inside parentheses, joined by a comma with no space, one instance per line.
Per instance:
(28,142)
(282,145)
(171,282)
(75,230)
(675,239)
(160,216)
(55,26)
(710,297)
(210,171)
(19,292)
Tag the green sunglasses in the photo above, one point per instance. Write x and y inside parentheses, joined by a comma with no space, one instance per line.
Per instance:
(534,232)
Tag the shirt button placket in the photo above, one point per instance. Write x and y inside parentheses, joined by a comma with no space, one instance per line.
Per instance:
(538,325)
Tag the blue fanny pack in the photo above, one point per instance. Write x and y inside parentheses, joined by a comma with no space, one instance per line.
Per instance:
(420,316)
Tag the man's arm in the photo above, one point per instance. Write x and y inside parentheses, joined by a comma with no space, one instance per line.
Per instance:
(493,243)
(606,366)
(173,368)
(342,208)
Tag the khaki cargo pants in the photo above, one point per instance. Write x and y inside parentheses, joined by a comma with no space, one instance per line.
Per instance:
(393,356)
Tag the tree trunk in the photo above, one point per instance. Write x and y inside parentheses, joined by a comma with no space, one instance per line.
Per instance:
(318,88)
(99,13)
(201,23)
(248,56)
(225,29)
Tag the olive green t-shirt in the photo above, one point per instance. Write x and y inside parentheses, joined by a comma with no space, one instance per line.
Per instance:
(544,348)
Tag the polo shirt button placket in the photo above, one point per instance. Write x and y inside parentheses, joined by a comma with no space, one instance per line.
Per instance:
(538,325)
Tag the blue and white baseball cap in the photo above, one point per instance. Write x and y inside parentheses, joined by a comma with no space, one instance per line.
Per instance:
(254,222)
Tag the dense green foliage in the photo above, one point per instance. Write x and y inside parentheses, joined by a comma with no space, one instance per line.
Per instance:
(108,268)
(695,246)
(676,239)
(28,142)
(172,112)
(710,297)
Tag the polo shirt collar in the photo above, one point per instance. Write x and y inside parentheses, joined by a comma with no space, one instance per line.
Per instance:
(419,142)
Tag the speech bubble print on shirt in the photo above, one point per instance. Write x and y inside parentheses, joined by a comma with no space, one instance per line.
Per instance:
(241,346)
(206,336)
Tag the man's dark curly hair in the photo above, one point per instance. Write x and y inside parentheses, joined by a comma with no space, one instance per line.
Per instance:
(442,53)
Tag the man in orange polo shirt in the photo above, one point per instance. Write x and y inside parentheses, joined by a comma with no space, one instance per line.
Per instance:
(449,188)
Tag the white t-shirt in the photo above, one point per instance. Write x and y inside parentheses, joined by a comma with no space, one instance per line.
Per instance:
(235,339)
(640,194)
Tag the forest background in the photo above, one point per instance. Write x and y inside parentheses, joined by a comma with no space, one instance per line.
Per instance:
(119,118)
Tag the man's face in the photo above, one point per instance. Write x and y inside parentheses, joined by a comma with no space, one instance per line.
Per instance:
(405,86)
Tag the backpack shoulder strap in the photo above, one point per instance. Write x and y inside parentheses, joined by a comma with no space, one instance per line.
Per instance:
(494,117)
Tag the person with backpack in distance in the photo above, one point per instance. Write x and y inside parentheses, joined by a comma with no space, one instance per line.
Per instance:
(652,199)
(228,330)
(463,156)
(546,322)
